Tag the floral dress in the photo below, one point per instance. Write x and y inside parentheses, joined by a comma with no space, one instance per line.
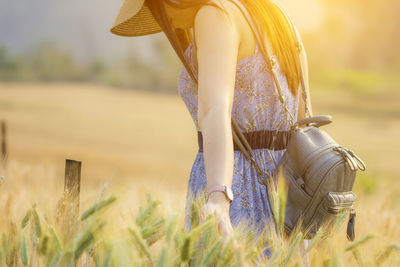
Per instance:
(256,106)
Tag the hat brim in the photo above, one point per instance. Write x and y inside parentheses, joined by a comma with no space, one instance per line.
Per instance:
(135,19)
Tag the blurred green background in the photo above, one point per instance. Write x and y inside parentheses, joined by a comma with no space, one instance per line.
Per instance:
(351,44)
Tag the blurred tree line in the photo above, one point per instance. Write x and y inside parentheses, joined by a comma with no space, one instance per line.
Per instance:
(48,61)
(357,45)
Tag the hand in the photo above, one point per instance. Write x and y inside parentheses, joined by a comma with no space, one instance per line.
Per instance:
(218,205)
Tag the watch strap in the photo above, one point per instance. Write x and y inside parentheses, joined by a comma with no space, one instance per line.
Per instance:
(220,188)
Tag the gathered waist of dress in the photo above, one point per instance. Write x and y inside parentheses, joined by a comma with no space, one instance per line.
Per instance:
(263,139)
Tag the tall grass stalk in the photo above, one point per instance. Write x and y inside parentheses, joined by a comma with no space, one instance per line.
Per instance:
(153,238)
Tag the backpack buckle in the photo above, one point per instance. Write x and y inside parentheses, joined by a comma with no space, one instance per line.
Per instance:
(347,156)
(360,164)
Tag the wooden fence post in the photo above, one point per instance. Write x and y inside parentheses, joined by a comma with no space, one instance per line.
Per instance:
(3,142)
(68,206)
(72,182)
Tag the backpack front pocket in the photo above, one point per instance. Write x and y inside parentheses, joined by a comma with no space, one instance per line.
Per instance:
(332,206)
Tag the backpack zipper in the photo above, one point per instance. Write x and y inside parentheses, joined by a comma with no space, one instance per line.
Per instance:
(319,186)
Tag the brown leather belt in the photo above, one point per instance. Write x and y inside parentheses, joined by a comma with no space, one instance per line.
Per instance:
(273,140)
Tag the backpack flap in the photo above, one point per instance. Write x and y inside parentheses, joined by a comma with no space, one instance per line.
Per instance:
(338,202)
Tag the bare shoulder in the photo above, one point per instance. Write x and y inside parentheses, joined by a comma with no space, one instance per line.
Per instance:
(217,40)
(216,30)
(230,8)
(229,24)
(224,17)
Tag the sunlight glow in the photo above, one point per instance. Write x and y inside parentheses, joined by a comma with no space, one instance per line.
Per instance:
(307,14)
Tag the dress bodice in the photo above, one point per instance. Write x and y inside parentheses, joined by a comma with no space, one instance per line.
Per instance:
(256,104)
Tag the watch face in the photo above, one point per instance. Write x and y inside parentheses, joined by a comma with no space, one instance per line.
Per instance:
(229,193)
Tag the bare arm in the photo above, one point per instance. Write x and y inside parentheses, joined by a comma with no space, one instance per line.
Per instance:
(217,42)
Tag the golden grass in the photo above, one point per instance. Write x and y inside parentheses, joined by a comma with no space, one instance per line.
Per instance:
(137,142)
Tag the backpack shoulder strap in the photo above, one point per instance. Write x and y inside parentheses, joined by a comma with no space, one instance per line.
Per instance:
(268,50)
(303,62)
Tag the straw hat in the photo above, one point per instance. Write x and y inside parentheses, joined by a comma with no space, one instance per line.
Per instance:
(135,19)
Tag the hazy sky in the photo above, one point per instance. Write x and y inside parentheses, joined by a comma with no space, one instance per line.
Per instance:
(82,26)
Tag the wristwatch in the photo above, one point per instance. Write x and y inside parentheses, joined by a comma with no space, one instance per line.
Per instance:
(221,188)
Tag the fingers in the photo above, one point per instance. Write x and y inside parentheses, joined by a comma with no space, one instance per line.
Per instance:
(224,225)
(206,211)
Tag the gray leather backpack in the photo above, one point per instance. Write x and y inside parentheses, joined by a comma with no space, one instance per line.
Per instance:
(319,172)
(320,175)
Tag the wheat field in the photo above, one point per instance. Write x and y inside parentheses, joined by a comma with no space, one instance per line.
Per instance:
(136,150)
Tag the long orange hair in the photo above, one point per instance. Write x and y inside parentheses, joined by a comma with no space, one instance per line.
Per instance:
(267,14)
